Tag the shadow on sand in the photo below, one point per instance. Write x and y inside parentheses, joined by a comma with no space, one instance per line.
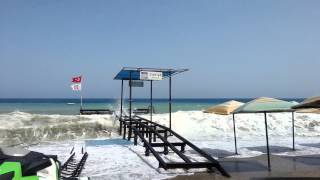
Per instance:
(312,160)
(243,166)
(316,145)
(273,149)
(219,153)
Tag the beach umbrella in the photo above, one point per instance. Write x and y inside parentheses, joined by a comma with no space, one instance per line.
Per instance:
(313,102)
(267,105)
(225,108)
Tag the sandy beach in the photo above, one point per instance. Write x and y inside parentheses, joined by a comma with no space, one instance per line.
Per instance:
(300,167)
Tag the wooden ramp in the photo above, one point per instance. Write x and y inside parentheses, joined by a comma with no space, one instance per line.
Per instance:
(155,136)
(73,168)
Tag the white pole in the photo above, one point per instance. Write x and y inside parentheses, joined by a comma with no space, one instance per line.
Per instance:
(81,101)
(81,91)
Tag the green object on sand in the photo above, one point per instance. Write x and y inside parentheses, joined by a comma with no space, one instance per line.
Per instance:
(15,168)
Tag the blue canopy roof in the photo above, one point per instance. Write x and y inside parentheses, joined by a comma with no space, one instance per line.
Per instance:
(124,74)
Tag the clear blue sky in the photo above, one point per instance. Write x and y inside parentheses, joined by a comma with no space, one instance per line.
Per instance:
(233,48)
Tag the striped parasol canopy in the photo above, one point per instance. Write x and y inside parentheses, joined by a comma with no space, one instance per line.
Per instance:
(225,108)
(265,104)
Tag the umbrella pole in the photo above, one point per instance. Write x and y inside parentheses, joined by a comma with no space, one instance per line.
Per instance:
(130,106)
(293,141)
(121,104)
(234,134)
(170,102)
(267,139)
(151,99)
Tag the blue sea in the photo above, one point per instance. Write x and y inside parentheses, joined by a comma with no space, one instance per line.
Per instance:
(30,121)
(72,106)
(54,126)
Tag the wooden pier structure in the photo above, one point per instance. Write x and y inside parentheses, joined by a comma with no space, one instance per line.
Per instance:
(155,136)
(95,111)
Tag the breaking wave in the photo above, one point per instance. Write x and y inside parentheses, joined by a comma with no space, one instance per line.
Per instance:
(18,128)
(199,125)
(26,128)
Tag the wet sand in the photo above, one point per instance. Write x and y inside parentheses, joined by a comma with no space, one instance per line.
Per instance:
(282,167)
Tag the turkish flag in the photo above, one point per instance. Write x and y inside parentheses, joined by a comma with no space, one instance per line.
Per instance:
(76,87)
(76,79)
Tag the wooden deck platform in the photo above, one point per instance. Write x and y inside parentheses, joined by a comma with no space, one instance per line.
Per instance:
(95,111)
(154,135)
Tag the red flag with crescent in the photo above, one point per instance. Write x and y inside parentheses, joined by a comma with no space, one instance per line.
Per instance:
(76,79)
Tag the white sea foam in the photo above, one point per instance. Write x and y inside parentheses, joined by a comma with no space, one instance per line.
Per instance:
(17,127)
(215,132)
(192,124)
(25,128)
(196,124)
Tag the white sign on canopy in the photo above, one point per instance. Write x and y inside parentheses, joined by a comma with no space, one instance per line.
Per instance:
(150,75)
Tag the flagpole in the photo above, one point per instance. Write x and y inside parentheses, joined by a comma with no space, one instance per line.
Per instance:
(81,91)
(81,101)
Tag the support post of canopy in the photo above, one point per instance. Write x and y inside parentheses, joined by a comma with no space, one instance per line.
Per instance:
(151,104)
(267,139)
(121,104)
(293,141)
(234,134)
(146,74)
(170,102)
(130,105)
